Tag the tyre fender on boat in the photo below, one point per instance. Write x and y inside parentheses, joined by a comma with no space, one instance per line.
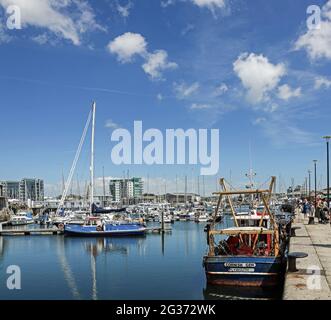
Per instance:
(61,226)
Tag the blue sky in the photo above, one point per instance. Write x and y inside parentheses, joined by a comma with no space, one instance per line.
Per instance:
(252,69)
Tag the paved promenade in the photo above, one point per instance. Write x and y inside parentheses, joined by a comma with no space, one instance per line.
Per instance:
(313,280)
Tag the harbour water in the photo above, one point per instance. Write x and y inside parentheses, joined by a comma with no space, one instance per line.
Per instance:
(153,267)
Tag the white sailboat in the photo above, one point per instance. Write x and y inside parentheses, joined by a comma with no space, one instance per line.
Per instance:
(97,225)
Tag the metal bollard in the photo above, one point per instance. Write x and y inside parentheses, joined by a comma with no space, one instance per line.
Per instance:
(311,220)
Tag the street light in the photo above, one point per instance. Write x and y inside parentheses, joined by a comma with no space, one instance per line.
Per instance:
(315,163)
(327,138)
(309,183)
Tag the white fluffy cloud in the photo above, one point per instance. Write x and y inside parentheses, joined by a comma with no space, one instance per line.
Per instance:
(317,42)
(156,63)
(211,4)
(130,44)
(258,75)
(322,82)
(127,46)
(285,92)
(184,90)
(68,19)
(4,38)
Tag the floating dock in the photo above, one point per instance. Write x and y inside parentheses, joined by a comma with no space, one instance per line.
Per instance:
(29,232)
(55,231)
(312,281)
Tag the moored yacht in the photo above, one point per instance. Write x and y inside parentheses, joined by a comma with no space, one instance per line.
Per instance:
(96,226)
(21,218)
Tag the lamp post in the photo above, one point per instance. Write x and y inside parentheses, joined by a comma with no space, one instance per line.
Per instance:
(309,183)
(327,138)
(315,164)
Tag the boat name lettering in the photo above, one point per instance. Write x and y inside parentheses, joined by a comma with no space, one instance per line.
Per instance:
(241,270)
(239,265)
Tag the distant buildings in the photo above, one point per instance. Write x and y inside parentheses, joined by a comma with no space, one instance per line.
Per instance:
(175,198)
(10,189)
(2,198)
(32,189)
(125,189)
(296,192)
(24,190)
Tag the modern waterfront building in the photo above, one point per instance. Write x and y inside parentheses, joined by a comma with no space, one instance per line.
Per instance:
(296,192)
(3,202)
(11,189)
(175,198)
(31,189)
(125,189)
(24,190)
(115,189)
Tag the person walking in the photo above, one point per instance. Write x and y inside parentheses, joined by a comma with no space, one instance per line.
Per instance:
(305,208)
(325,213)
(311,212)
(319,208)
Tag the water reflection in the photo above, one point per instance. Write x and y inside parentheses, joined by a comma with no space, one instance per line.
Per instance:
(94,247)
(2,246)
(158,266)
(97,246)
(68,274)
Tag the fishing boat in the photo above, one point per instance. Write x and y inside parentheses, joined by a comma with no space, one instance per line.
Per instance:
(94,224)
(245,255)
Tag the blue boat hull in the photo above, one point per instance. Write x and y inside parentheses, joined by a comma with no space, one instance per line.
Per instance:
(110,231)
(244,270)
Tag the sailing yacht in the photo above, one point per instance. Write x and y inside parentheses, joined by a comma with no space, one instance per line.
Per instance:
(95,224)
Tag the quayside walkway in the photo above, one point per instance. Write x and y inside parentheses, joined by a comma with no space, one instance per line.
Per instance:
(312,281)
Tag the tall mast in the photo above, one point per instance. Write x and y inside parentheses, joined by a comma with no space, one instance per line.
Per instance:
(92,154)
(104,187)
(63,185)
(176,191)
